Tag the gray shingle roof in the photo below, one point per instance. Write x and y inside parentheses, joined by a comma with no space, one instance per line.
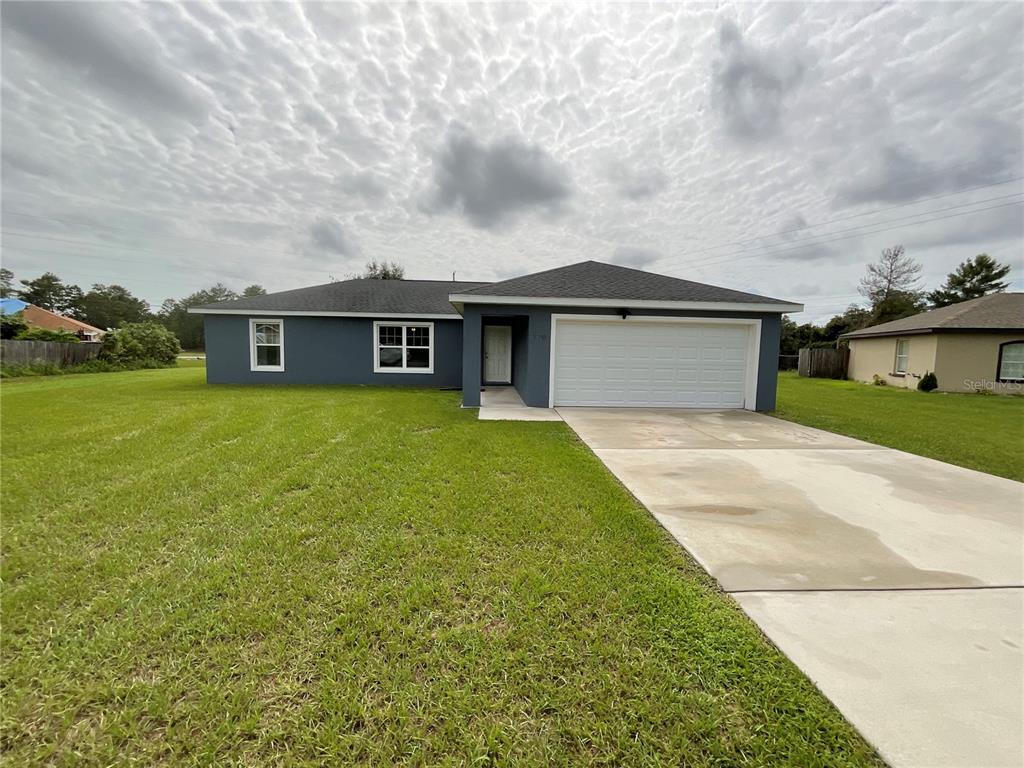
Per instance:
(596,280)
(995,312)
(395,297)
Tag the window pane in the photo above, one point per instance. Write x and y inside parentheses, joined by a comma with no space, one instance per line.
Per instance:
(1011,371)
(389,335)
(1013,353)
(268,333)
(389,357)
(416,336)
(417,357)
(1012,366)
(901,355)
(268,355)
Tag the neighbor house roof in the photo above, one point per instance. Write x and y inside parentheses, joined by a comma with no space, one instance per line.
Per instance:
(995,312)
(594,283)
(11,306)
(37,317)
(394,298)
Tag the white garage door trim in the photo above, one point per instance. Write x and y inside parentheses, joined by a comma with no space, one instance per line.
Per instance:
(753,343)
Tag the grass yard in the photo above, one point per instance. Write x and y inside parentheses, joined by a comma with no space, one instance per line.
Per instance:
(984,432)
(335,576)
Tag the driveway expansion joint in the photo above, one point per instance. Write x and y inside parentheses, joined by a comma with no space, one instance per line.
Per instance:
(795,590)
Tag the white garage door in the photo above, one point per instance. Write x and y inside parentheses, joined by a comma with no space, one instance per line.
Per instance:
(636,363)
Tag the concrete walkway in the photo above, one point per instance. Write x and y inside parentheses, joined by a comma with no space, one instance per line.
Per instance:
(504,404)
(893,581)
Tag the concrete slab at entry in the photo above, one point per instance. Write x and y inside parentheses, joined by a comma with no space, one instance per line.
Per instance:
(504,404)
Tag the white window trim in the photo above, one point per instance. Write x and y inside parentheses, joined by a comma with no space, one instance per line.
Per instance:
(896,362)
(999,370)
(753,344)
(404,324)
(252,345)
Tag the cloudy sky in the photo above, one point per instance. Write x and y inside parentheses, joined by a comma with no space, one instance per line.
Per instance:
(773,148)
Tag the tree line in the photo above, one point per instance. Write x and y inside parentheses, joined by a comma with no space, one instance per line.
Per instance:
(113,306)
(891,288)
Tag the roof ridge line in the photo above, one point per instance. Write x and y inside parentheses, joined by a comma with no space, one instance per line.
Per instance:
(545,271)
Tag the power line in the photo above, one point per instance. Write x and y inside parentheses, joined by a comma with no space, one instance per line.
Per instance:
(116,246)
(139,233)
(848,218)
(811,242)
(230,244)
(899,218)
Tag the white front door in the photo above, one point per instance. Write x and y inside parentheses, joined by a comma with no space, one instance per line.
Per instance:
(653,364)
(498,354)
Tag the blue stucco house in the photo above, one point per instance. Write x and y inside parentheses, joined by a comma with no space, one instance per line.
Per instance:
(585,334)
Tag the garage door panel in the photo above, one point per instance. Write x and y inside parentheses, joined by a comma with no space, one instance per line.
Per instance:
(682,365)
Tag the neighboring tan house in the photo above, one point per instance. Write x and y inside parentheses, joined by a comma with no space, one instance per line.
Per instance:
(976,344)
(37,317)
(585,334)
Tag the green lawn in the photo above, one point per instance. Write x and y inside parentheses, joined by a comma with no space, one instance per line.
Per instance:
(984,432)
(313,575)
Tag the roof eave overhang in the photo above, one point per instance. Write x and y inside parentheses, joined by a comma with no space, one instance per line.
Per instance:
(882,334)
(319,313)
(551,301)
(921,331)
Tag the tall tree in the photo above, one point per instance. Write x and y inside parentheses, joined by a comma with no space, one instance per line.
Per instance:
(254,290)
(970,280)
(188,328)
(111,306)
(6,283)
(50,292)
(896,305)
(893,273)
(853,319)
(385,270)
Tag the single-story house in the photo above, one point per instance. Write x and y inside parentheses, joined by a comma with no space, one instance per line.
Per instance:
(976,344)
(37,317)
(584,334)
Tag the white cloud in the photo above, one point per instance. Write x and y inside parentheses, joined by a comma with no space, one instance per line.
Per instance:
(180,144)
(490,184)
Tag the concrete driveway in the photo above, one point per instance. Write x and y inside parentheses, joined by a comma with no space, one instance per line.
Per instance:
(895,582)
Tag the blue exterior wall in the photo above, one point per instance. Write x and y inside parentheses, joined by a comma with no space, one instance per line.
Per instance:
(340,350)
(537,355)
(520,358)
(325,350)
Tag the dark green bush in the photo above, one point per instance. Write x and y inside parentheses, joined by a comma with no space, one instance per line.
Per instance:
(140,345)
(12,325)
(45,334)
(928,382)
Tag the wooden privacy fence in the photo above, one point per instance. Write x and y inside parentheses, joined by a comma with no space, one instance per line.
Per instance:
(62,353)
(823,363)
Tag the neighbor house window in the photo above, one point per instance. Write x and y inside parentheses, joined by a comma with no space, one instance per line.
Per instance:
(1011,361)
(403,347)
(266,345)
(902,354)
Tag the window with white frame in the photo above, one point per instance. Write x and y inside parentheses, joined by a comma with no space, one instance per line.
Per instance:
(902,355)
(403,347)
(1011,361)
(266,345)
